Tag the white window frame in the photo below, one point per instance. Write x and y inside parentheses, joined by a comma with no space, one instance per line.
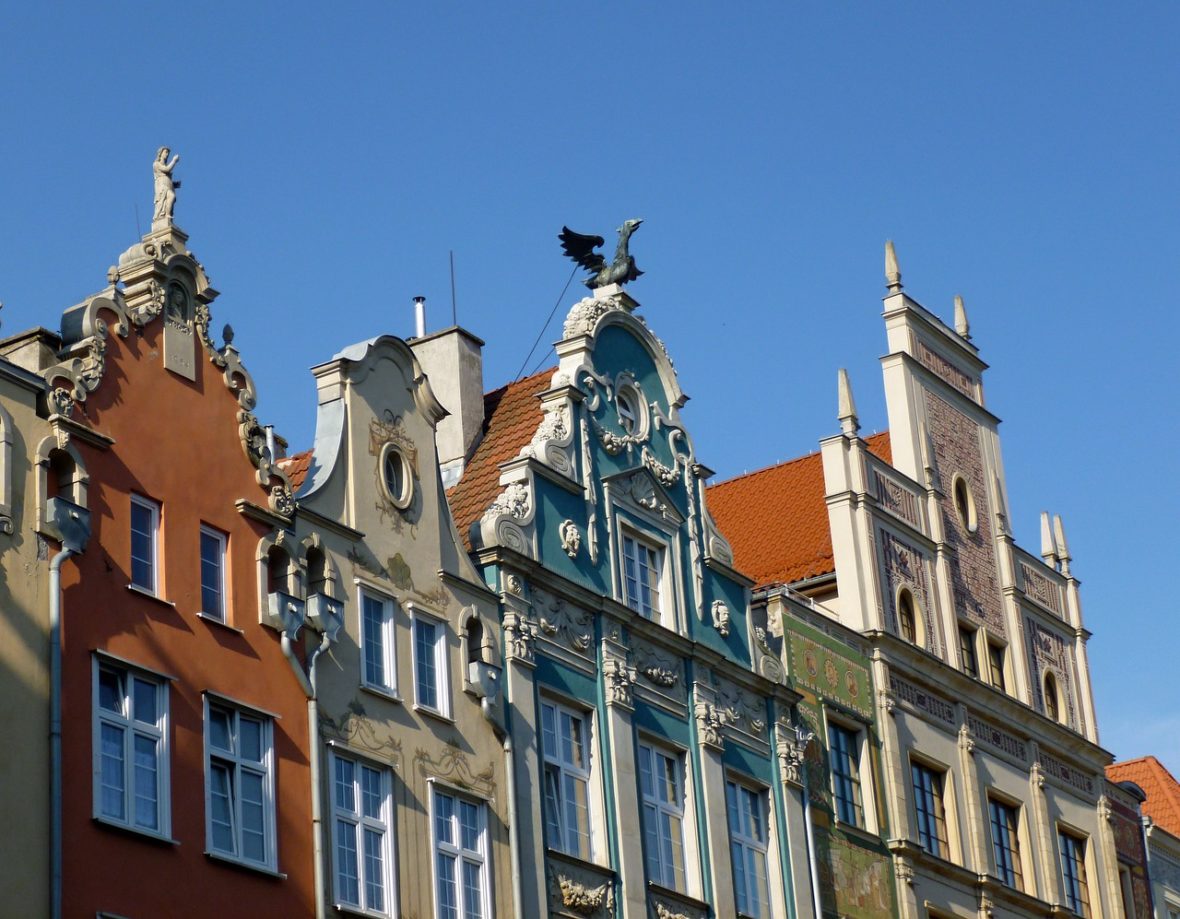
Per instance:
(358,823)
(132,728)
(388,653)
(220,614)
(461,855)
(743,841)
(440,651)
(567,771)
(238,764)
(1016,847)
(659,860)
(650,549)
(153,534)
(1085,890)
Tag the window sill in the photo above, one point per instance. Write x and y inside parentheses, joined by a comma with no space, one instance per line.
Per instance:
(433,713)
(347,910)
(139,832)
(144,592)
(389,695)
(219,623)
(859,832)
(248,866)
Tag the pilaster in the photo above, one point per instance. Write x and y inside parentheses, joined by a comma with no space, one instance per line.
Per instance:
(977,816)
(618,681)
(709,723)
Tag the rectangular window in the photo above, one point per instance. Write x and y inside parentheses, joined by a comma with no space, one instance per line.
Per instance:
(130,748)
(1006,843)
(1073,872)
(995,659)
(362,815)
(565,738)
(462,888)
(145,538)
(212,573)
(748,843)
(430,664)
(930,809)
(642,565)
(377,642)
(239,782)
(662,786)
(967,652)
(844,753)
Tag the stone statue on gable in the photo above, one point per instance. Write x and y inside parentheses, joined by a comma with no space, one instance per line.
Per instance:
(165,198)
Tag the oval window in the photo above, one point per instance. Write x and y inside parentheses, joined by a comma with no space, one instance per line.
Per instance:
(964,504)
(628,404)
(396,476)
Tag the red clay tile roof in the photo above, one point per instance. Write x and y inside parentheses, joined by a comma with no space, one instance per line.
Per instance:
(776,519)
(1161,788)
(296,467)
(511,416)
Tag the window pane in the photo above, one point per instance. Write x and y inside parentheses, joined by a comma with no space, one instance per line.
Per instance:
(251,739)
(444,815)
(222,807)
(145,702)
(253,826)
(345,794)
(425,636)
(472,890)
(143,553)
(374,870)
(347,878)
(110,690)
(211,575)
(146,783)
(219,729)
(371,792)
(373,636)
(469,826)
(448,894)
(113,796)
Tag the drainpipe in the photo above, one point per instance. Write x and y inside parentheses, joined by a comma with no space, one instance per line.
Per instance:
(73,523)
(485,705)
(308,683)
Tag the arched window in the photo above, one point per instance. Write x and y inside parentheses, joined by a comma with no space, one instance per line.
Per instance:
(964,504)
(317,571)
(1052,702)
(907,616)
(278,570)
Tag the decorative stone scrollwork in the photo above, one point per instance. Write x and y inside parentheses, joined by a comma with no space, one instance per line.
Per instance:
(571,539)
(791,748)
(501,524)
(1105,810)
(584,314)
(61,402)
(888,703)
(721,617)
(665,475)
(711,719)
(356,729)
(563,623)
(767,662)
(452,765)
(966,741)
(655,668)
(613,443)
(1036,776)
(520,637)
(619,678)
(551,439)
(664,911)
(904,870)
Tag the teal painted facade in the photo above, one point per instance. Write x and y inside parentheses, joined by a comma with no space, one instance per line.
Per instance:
(627,647)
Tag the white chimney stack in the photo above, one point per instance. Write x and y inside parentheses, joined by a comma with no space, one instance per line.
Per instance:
(419,316)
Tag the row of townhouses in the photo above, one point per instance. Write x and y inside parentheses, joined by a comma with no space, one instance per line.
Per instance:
(510,653)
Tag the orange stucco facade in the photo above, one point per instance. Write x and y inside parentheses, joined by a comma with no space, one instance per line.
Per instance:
(175,442)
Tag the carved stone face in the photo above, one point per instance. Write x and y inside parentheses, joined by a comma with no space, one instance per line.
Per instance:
(177,305)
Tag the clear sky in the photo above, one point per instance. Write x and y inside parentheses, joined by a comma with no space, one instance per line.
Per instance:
(1024,155)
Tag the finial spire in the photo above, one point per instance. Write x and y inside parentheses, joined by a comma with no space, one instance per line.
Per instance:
(849,423)
(1048,546)
(892,271)
(1062,547)
(961,324)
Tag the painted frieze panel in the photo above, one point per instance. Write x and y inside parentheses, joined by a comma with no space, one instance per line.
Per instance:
(743,714)
(357,729)
(905,566)
(958,451)
(563,625)
(855,882)
(659,675)
(452,765)
(831,676)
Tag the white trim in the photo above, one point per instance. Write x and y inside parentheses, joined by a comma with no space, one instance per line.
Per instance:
(745,841)
(441,651)
(153,534)
(461,855)
(360,822)
(652,757)
(132,728)
(565,768)
(234,759)
(387,635)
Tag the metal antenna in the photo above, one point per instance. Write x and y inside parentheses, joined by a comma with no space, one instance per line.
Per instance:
(454,308)
(138,230)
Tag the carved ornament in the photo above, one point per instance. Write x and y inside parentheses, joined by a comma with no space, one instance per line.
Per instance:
(520,637)
(571,539)
(619,678)
(452,765)
(562,623)
(721,617)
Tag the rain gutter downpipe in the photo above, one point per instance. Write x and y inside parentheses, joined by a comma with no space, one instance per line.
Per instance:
(489,713)
(73,523)
(307,681)
(805,737)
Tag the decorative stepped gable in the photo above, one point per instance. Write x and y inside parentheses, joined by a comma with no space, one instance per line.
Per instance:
(159,280)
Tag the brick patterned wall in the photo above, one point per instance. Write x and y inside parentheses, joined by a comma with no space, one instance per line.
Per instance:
(958,449)
(1049,652)
(905,566)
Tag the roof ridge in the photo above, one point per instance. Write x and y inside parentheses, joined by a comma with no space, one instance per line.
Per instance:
(782,463)
(519,380)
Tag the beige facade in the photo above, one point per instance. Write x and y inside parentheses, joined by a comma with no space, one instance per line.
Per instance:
(24,642)
(407,683)
(993,773)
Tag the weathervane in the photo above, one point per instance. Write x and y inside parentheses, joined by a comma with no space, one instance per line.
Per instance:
(581,249)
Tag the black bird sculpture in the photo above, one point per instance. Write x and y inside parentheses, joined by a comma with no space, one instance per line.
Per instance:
(581,249)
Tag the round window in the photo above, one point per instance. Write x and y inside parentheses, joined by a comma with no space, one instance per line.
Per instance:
(630,408)
(964,504)
(396,476)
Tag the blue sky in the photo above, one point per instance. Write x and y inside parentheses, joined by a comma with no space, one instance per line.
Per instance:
(1022,155)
